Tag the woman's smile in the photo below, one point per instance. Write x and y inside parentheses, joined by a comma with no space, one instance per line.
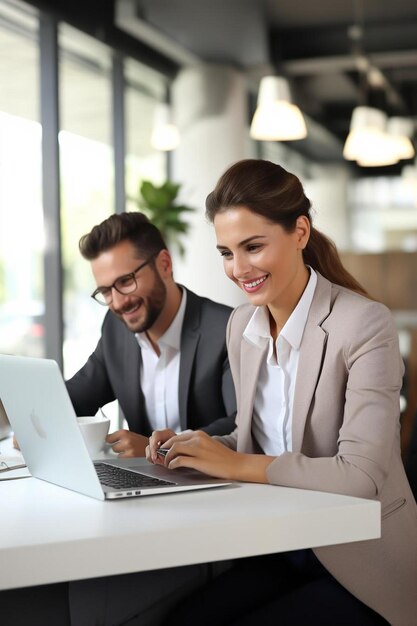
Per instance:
(254,284)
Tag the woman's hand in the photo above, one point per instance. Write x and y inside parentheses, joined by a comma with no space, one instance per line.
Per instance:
(199,451)
(157,440)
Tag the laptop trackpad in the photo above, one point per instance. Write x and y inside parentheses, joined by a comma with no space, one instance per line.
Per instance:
(180,476)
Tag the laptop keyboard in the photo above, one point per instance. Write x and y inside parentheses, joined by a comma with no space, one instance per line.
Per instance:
(120,478)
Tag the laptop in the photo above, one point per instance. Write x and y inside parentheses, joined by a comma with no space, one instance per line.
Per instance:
(5,428)
(44,422)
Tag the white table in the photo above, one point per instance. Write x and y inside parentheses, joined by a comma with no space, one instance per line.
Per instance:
(49,534)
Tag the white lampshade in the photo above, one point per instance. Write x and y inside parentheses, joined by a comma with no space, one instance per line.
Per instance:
(165,135)
(368,142)
(401,129)
(276,118)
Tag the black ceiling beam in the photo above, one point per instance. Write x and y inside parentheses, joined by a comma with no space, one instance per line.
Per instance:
(332,40)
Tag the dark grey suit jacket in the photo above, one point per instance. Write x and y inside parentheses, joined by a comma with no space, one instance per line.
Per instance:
(206,393)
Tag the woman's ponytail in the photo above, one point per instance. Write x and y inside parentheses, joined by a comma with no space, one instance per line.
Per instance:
(322,255)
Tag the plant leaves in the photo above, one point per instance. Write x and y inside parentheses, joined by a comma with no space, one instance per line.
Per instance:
(159,205)
(171,189)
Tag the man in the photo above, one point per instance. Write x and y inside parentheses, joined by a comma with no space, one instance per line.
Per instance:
(162,352)
(162,355)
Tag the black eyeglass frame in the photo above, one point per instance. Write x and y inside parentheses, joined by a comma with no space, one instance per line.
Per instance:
(109,289)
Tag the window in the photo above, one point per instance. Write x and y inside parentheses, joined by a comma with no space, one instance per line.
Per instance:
(87,180)
(87,175)
(21,218)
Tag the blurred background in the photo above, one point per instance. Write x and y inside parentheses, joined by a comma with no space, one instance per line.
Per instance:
(86,93)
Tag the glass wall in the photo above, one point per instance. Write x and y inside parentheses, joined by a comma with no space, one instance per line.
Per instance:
(21,218)
(87,179)
(87,174)
(87,167)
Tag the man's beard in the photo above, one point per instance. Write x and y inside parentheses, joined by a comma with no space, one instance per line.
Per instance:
(153,306)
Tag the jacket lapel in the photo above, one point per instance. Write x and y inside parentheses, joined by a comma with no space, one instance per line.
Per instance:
(311,358)
(190,336)
(138,421)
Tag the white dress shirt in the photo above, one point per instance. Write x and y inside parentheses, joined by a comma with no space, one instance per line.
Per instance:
(159,376)
(274,399)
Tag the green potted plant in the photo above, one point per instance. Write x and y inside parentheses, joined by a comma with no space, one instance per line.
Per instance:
(160,206)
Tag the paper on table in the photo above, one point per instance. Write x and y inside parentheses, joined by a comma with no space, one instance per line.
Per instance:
(10,462)
(12,467)
(15,474)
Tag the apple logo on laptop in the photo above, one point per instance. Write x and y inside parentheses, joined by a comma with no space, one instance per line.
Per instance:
(35,419)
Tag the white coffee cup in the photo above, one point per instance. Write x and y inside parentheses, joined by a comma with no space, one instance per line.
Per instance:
(94,429)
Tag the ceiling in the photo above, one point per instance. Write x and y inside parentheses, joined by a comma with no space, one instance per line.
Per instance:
(315,45)
(336,53)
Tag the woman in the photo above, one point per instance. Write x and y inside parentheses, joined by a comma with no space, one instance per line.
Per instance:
(317,372)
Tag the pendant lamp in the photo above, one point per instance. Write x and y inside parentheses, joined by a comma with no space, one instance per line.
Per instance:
(368,142)
(165,135)
(276,117)
(401,129)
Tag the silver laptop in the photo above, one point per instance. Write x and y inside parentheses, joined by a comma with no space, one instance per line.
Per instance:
(44,422)
(5,428)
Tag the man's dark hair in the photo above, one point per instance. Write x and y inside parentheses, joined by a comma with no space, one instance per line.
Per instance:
(132,226)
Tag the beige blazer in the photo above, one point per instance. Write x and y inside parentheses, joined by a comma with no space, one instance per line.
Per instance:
(345,436)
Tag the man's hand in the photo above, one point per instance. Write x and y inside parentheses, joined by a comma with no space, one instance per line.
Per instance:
(127,444)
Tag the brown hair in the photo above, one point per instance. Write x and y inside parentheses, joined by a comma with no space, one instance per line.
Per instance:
(269,190)
(132,226)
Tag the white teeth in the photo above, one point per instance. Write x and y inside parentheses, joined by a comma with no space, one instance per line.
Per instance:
(256,282)
(131,310)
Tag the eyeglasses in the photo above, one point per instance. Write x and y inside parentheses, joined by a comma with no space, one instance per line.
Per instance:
(124,284)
